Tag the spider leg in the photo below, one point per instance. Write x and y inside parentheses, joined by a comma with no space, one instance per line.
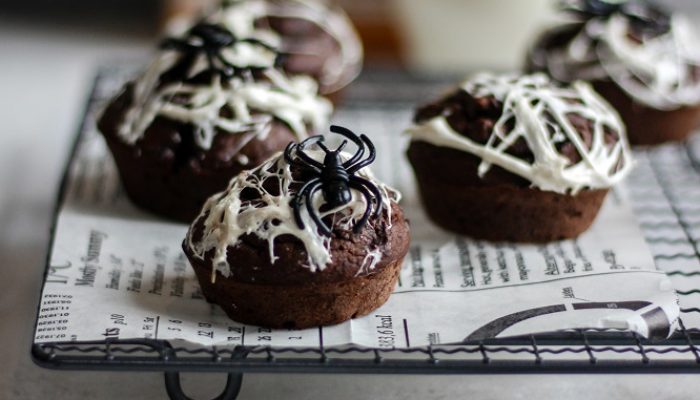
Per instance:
(356,180)
(303,156)
(229,69)
(299,197)
(210,60)
(353,137)
(258,42)
(288,153)
(342,146)
(368,198)
(323,147)
(369,160)
(296,163)
(308,198)
(310,141)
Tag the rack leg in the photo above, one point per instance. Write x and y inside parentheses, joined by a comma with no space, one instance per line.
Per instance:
(174,389)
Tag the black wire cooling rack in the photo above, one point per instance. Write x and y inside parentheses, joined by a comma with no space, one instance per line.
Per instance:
(665,191)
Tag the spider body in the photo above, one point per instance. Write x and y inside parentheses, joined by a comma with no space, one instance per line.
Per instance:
(334,178)
(214,37)
(336,187)
(210,40)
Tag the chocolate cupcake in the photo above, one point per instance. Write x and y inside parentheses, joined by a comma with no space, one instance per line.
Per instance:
(209,106)
(308,238)
(642,59)
(521,159)
(314,38)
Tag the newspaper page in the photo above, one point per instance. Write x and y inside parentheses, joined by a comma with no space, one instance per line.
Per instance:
(118,272)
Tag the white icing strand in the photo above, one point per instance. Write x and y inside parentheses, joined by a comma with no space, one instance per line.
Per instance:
(340,69)
(228,218)
(657,72)
(294,100)
(527,100)
(370,262)
(240,16)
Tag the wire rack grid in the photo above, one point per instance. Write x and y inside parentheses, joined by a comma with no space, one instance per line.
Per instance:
(665,191)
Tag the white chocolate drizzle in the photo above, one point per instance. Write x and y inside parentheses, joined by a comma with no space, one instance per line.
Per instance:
(370,262)
(539,111)
(253,103)
(658,72)
(226,217)
(339,69)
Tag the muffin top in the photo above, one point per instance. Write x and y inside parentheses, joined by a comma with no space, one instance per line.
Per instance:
(560,138)
(653,55)
(252,231)
(314,37)
(219,82)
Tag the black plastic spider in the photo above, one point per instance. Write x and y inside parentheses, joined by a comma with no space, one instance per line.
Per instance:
(643,14)
(210,39)
(334,177)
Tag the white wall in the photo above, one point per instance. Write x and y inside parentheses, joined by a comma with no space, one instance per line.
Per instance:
(458,35)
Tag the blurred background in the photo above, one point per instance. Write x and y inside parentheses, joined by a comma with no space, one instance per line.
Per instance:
(434,35)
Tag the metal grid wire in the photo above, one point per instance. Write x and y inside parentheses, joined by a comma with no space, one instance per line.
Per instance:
(665,191)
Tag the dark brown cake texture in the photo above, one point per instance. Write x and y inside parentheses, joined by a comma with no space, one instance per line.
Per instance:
(181,131)
(652,115)
(316,38)
(270,272)
(500,204)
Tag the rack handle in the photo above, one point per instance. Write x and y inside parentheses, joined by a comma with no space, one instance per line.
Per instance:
(174,388)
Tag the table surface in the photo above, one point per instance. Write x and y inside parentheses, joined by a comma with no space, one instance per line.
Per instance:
(44,77)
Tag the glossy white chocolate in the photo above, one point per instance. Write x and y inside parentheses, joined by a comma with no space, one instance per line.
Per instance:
(226,217)
(526,100)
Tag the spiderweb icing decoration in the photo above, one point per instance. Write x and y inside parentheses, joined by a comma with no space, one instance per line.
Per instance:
(540,112)
(659,72)
(253,103)
(340,69)
(227,217)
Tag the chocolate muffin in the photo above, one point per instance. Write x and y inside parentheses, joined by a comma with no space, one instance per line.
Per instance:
(644,60)
(314,38)
(309,238)
(517,158)
(210,105)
